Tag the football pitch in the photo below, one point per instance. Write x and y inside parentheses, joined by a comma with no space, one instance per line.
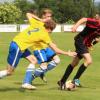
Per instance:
(10,87)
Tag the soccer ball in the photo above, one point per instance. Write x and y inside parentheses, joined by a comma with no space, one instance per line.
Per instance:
(69,86)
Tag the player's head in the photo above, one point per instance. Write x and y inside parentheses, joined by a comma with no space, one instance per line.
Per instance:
(97,16)
(46,13)
(50,25)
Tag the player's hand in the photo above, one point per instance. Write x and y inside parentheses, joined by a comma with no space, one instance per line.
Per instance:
(74,29)
(72,54)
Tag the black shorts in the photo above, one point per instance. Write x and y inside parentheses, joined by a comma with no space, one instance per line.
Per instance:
(80,47)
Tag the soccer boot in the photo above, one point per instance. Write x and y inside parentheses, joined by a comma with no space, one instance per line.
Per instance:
(28,86)
(77,82)
(61,85)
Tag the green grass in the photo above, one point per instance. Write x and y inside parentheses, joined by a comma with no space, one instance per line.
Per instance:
(10,86)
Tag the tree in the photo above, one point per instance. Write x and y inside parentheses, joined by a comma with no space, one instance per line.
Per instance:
(65,10)
(9,13)
(24,6)
(98,8)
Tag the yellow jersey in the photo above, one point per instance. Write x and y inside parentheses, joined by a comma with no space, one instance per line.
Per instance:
(38,46)
(33,36)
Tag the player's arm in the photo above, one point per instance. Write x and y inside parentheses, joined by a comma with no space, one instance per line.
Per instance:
(31,15)
(81,21)
(59,51)
(47,40)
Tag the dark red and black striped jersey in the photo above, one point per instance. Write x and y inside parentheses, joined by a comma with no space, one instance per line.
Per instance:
(91,31)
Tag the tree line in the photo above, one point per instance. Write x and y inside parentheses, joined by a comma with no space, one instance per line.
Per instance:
(64,11)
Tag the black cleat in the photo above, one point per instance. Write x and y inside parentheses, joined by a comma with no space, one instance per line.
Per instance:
(70,86)
(61,85)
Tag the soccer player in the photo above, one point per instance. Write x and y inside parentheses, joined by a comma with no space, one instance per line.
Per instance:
(82,41)
(45,13)
(20,44)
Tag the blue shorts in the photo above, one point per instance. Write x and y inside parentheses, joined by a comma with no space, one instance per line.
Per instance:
(15,54)
(44,55)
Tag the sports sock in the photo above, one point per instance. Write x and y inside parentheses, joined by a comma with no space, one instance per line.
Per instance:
(40,71)
(51,65)
(29,72)
(68,71)
(3,73)
(80,71)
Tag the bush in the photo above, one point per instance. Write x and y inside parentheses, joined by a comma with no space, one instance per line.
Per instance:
(9,13)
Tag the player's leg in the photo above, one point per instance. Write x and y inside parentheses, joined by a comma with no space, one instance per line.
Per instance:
(51,56)
(68,71)
(78,45)
(42,56)
(42,60)
(53,63)
(30,68)
(83,67)
(81,49)
(28,76)
(27,83)
(84,52)
(33,73)
(13,59)
(29,71)
(53,60)
(41,70)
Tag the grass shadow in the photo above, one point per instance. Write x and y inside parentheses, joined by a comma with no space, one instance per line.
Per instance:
(6,89)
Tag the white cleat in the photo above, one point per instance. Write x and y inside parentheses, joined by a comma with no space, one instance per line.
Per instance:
(28,86)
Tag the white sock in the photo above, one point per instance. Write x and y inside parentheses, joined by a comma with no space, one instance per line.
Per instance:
(3,73)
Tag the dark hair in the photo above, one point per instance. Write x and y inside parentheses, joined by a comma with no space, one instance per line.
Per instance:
(50,24)
(46,10)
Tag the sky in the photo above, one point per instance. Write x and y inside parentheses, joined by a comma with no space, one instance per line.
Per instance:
(97,0)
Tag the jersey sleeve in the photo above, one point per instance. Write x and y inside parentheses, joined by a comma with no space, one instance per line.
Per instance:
(35,22)
(91,22)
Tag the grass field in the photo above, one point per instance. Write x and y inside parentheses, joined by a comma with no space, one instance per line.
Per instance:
(10,87)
